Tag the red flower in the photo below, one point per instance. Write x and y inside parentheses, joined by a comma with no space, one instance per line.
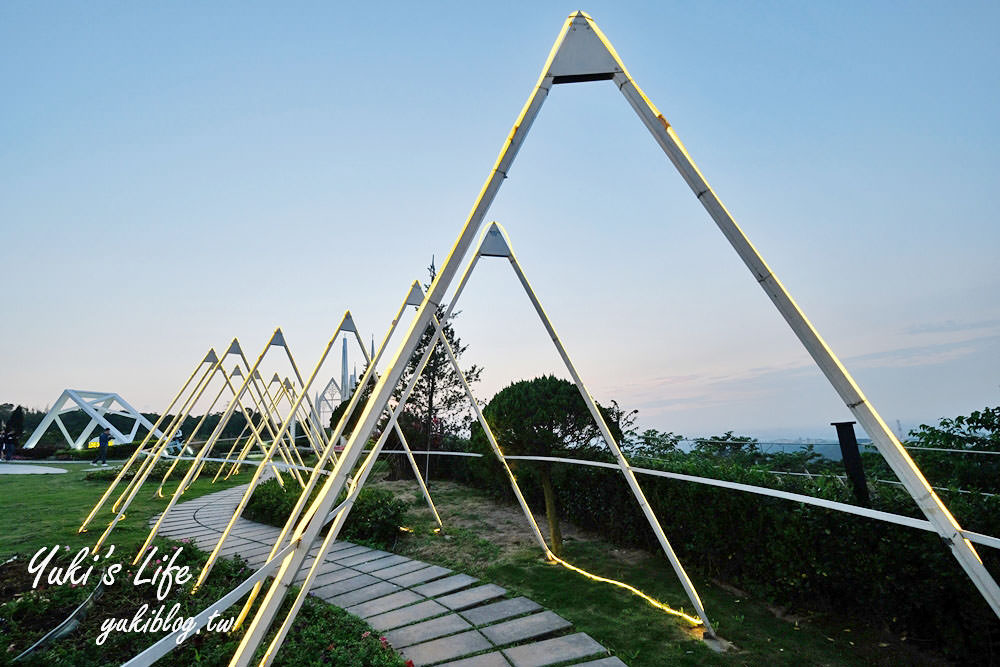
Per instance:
(409,663)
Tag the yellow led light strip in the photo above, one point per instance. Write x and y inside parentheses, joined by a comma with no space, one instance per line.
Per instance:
(694,621)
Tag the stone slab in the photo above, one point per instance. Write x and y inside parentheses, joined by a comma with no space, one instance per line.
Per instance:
(255,548)
(498,611)
(427,630)
(355,550)
(472,596)
(360,595)
(447,648)
(345,585)
(339,546)
(396,570)
(250,530)
(384,604)
(442,586)
(420,576)
(484,660)
(207,542)
(526,627)
(603,662)
(553,651)
(406,615)
(234,546)
(362,558)
(333,577)
(382,563)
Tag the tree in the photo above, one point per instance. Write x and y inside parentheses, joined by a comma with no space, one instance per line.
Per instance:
(352,421)
(727,445)
(543,417)
(655,444)
(621,423)
(977,432)
(16,423)
(438,406)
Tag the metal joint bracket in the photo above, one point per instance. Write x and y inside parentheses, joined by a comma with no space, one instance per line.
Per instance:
(854,405)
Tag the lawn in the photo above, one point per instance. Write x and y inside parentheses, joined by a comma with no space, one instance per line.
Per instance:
(43,510)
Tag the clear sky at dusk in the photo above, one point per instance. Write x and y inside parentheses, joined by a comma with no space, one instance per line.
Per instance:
(176,174)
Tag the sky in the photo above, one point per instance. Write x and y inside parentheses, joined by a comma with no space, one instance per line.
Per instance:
(173,175)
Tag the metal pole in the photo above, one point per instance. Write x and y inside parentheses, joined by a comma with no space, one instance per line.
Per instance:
(852,461)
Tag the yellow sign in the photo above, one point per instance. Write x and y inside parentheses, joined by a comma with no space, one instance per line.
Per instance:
(94,444)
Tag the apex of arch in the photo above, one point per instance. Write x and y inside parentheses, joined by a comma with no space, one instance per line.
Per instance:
(583,54)
(494,243)
(416,295)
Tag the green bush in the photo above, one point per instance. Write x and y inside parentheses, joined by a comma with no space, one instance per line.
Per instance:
(374,519)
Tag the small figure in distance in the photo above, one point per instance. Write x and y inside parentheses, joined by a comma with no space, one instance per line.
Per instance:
(9,444)
(176,446)
(102,451)
(3,443)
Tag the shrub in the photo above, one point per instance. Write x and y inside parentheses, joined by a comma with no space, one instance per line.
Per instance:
(375,517)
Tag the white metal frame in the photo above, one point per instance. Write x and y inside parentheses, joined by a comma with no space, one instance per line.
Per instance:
(96,405)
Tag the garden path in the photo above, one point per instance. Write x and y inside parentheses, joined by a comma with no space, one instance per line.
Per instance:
(428,613)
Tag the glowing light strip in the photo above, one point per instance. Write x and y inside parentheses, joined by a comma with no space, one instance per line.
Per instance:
(632,589)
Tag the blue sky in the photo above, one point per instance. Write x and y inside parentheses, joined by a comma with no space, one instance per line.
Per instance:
(173,175)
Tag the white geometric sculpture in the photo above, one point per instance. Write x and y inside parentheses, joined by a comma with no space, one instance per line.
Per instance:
(96,404)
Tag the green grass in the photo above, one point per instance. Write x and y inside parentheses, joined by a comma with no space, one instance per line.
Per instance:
(43,510)
(479,540)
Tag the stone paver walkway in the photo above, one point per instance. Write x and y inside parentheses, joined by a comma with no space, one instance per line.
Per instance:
(430,614)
